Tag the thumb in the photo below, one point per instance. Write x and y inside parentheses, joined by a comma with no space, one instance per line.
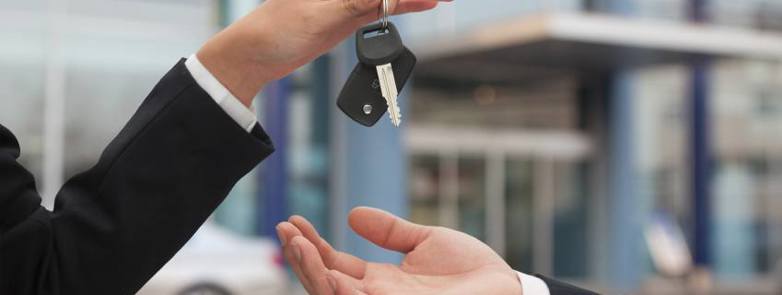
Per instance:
(387,230)
(361,7)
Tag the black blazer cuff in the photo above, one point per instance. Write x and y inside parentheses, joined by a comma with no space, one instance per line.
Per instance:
(560,288)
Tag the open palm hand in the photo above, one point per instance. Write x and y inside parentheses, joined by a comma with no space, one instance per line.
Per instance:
(437,260)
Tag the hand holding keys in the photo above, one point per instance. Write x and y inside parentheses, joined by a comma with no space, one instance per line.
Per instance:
(384,66)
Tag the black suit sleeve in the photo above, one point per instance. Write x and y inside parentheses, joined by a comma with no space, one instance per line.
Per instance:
(118,223)
(559,288)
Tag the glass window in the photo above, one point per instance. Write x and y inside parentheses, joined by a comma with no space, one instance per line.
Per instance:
(571,220)
(663,138)
(424,181)
(519,193)
(746,203)
(762,14)
(472,200)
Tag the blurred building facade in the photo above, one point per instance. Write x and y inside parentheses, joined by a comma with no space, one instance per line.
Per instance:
(552,130)
(633,113)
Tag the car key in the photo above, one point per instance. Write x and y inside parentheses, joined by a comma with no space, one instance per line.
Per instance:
(385,65)
(361,98)
(378,45)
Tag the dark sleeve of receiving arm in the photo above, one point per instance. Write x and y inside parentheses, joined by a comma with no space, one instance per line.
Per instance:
(118,223)
(559,288)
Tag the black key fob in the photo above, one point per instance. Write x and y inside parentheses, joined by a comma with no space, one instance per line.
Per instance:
(361,99)
(377,46)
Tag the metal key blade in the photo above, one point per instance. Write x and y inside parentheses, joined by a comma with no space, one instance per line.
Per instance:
(385,74)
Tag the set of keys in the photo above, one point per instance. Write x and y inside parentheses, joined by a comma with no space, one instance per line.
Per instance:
(384,67)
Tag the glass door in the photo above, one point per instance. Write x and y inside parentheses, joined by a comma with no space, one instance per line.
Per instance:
(530,204)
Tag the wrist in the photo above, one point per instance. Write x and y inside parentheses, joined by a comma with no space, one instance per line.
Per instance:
(229,57)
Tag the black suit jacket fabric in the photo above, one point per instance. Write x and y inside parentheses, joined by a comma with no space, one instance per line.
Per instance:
(559,288)
(115,225)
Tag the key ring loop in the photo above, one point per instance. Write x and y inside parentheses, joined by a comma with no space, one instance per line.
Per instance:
(385,14)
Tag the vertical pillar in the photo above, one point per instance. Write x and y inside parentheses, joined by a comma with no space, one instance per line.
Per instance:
(700,148)
(625,202)
(700,155)
(274,173)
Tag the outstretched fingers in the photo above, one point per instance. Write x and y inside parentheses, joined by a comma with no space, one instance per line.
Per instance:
(286,232)
(312,267)
(333,259)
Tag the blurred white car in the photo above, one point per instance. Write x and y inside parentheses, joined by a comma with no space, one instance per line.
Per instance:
(218,262)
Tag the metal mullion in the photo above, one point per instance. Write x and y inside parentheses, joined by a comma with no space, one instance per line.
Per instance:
(495,201)
(448,199)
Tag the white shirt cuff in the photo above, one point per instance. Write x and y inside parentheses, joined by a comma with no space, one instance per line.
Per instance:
(532,285)
(243,116)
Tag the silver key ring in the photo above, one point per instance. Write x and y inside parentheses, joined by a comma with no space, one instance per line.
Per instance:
(385,14)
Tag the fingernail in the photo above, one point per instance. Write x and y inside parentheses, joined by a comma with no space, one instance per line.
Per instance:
(297,252)
(332,283)
(281,236)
